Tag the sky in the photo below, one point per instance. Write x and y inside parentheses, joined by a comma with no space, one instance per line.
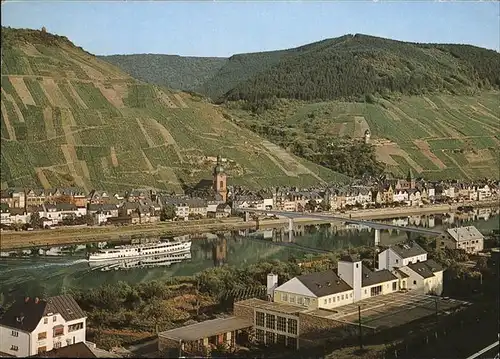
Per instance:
(224,28)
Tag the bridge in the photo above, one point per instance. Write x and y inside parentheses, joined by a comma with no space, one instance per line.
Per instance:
(377,226)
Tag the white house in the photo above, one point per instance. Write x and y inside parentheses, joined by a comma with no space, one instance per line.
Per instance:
(400,195)
(426,277)
(352,282)
(315,290)
(400,255)
(466,238)
(483,193)
(32,326)
(365,282)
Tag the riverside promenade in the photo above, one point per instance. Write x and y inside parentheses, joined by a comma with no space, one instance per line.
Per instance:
(10,240)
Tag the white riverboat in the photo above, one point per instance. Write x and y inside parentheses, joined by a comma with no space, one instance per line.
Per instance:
(141,250)
(163,260)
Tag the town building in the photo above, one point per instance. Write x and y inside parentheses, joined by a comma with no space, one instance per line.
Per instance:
(408,262)
(401,254)
(220,179)
(33,326)
(352,282)
(466,238)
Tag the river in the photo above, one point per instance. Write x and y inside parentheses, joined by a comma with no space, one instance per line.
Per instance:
(25,273)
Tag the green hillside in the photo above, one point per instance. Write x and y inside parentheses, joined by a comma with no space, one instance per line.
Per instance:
(69,118)
(438,136)
(347,67)
(172,71)
(362,65)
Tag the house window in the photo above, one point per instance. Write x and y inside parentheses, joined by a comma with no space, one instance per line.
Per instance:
(284,297)
(57,345)
(365,291)
(375,290)
(270,321)
(334,299)
(292,299)
(58,331)
(73,327)
(357,265)
(42,349)
(291,342)
(259,335)
(350,295)
(300,300)
(307,301)
(45,320)
(326,301)
(54,318)
(42,336)
(292,326)
(14,333)
(342,297)
(14,348)
(270,337)
(259,319)
(394,285)
(281,339)
(414,282)
(281,324)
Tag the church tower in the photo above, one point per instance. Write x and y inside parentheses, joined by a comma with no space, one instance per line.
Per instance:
(220,179)
(411,179)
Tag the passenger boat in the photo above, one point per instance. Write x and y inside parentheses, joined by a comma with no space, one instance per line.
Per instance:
(163,260)
(141,250)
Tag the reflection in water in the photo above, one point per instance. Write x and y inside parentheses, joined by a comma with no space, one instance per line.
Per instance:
(165,260)
(50,271)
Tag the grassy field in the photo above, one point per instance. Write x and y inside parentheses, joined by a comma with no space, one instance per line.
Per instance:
(437,136)
(69,118)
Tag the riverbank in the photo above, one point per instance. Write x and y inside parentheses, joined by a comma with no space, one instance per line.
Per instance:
(10,240)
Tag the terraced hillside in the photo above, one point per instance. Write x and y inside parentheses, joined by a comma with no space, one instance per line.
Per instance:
(68,118)
(438,136)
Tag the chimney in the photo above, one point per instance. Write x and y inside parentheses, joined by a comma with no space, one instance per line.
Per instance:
(37,300)
(26,300)
(272,283)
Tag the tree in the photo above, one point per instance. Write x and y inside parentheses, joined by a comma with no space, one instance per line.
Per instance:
(311,205)
(325,206)
(35,220)
(168,212)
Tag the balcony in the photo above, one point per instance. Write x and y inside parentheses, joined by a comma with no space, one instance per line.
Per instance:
(58,331)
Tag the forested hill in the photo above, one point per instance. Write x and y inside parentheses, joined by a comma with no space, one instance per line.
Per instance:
(361,65)
(348,67)
(177,72)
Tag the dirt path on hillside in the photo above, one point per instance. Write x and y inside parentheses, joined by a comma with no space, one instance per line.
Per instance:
(50,131)
(167,137)
(22,90)
(458,165)
(145,133)
(162,96)
(114,159)
(180,100)
(148,163)
(76,96)
(111,95)
(42,178)
(426,151)
(55,96)
(430,103)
